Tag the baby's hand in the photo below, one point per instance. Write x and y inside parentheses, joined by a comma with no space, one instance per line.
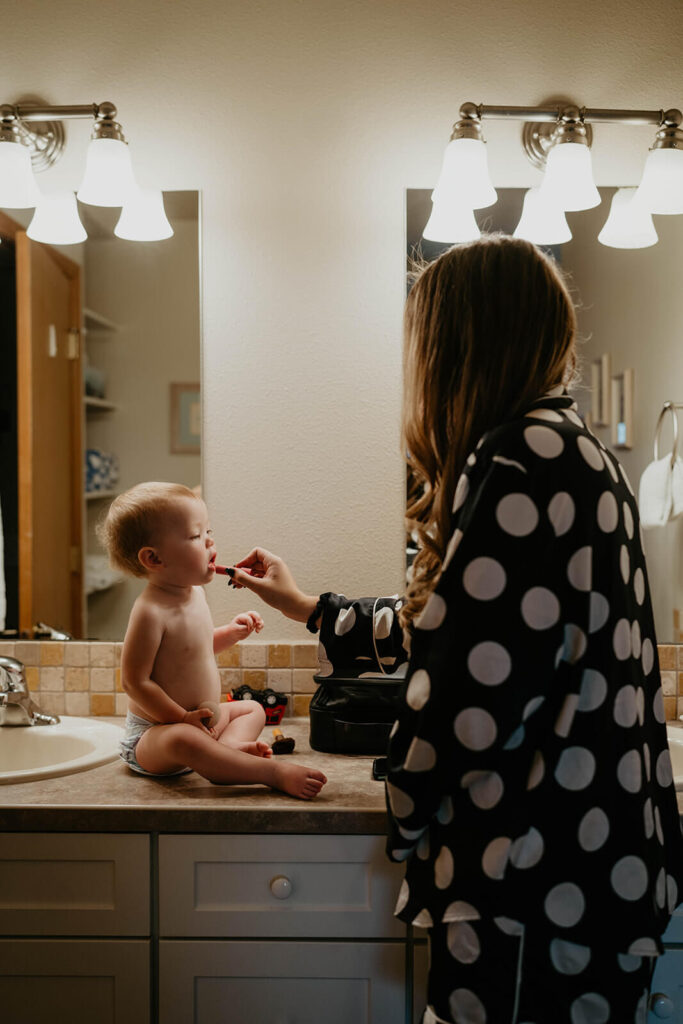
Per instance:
(246,623)
(198,717)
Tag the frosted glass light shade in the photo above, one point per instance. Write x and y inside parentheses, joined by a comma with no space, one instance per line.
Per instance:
(56,220)
(661,190)
(450,222)
(541,222)
(464,178)
(143,218)
(18,189)
(629,225)
(568,179)
(108,173)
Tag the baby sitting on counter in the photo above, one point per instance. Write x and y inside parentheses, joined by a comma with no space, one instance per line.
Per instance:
(160,532)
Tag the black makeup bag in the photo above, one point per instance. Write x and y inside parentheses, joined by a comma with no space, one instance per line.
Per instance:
(354,716)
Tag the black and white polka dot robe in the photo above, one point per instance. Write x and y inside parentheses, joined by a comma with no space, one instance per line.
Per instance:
(529,772)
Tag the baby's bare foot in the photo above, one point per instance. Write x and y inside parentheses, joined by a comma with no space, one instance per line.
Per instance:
(258,747)
(297,780)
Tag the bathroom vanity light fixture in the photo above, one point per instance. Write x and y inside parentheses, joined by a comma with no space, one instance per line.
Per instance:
(629,225)
(32,138)
(542,222)
(557,138)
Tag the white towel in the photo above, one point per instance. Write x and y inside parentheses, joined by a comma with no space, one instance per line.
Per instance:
(660,496)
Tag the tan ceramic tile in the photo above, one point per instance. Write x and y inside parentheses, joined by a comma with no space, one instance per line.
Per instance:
(679,651)
(279,655)
(300,704)
(669,684)
(254,677)
(280,679)
(51,678)
(667,656)
(32,673)
(77,704)
(76,678)
(253,655)
(229,658)
(7,648)
(51,652)
(77,654)
(302,681)
(52,703)
(118,683)
(102,655)
(101,679)
(121,704)
(27,651)
(102,704)
(230,679)
(118,649)
(670,708)
(305,655)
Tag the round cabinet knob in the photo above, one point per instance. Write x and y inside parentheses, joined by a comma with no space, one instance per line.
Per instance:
(281,887)
(661,1005)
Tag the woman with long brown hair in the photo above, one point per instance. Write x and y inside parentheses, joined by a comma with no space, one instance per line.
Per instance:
(529,783)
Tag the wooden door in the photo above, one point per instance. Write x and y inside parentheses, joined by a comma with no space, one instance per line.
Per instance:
(49,420)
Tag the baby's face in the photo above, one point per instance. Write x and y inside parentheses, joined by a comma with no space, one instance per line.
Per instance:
(186,546)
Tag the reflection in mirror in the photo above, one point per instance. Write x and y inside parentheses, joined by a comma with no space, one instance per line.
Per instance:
(629,311)
(99,390)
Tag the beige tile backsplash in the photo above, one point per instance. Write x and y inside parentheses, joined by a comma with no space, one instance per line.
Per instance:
(84,678)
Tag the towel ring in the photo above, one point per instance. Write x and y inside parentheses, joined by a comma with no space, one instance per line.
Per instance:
(667,407)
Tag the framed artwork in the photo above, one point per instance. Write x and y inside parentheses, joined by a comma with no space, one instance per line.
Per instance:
(186,419)
(622,409)
(601,373)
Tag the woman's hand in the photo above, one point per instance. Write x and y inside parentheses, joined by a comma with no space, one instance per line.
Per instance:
(269,577)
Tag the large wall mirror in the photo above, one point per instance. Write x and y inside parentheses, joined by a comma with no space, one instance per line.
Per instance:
(630,350)
(99,390)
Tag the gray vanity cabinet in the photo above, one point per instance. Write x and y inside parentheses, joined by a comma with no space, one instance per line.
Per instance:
(75,926)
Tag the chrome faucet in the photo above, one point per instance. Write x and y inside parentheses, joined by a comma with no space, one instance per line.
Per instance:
(16,705)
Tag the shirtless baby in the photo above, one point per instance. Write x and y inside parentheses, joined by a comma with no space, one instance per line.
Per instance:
(160,532)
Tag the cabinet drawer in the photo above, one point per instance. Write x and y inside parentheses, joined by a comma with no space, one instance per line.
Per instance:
(66,981)
(285,886)
(296,982)
(74,884)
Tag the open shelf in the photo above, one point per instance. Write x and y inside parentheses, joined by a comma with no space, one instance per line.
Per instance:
(99,403)
(95,495)
(96,322)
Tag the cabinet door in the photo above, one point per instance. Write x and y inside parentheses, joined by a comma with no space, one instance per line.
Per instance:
(73,884)
(53,981)
(666,993)
(284,886)
(281,983)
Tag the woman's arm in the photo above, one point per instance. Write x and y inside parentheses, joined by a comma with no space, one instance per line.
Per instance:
(140,647)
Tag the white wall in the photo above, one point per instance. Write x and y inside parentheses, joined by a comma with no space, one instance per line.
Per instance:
(303,123)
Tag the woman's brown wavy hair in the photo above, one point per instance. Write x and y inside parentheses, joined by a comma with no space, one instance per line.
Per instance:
(489,327)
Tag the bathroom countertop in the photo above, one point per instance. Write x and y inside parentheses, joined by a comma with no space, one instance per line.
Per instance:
(113,799)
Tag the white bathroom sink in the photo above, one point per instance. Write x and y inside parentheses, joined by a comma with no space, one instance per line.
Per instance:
(44,751)
(675,736)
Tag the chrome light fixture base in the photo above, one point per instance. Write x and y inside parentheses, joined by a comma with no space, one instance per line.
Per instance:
(539,137)
(45,140)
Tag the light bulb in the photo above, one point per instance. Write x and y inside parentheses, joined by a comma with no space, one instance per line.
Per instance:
(568,179)
(629,225)
(108,173)
(18,189)
(661,190)
(56,220)
(542,222)
(143,218)
(464,178)
(450,222)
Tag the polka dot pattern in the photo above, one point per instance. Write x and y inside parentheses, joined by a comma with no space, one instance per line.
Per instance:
(484,579)
(565,905)
(575,768)
(540,608)
(463,942)
(544,441)
(431,617)
(489,663)
(476,729)
(608,512)
(419,690)
(517,515)
(561,513)
(590,452)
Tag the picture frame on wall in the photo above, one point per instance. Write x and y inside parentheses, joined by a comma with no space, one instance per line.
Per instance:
(622,409)
(601,395)
(186,419)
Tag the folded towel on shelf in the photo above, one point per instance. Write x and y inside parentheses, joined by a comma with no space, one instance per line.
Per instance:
(660,496)
(99,575)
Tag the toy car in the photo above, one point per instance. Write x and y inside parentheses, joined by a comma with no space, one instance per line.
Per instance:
(273,703)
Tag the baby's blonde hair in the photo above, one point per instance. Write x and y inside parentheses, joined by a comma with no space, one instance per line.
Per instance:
(132,519)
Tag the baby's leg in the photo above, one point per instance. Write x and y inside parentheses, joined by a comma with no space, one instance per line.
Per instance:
(165,748)
(240,725)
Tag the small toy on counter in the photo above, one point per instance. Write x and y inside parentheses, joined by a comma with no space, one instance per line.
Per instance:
(282,744)
(274,704)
